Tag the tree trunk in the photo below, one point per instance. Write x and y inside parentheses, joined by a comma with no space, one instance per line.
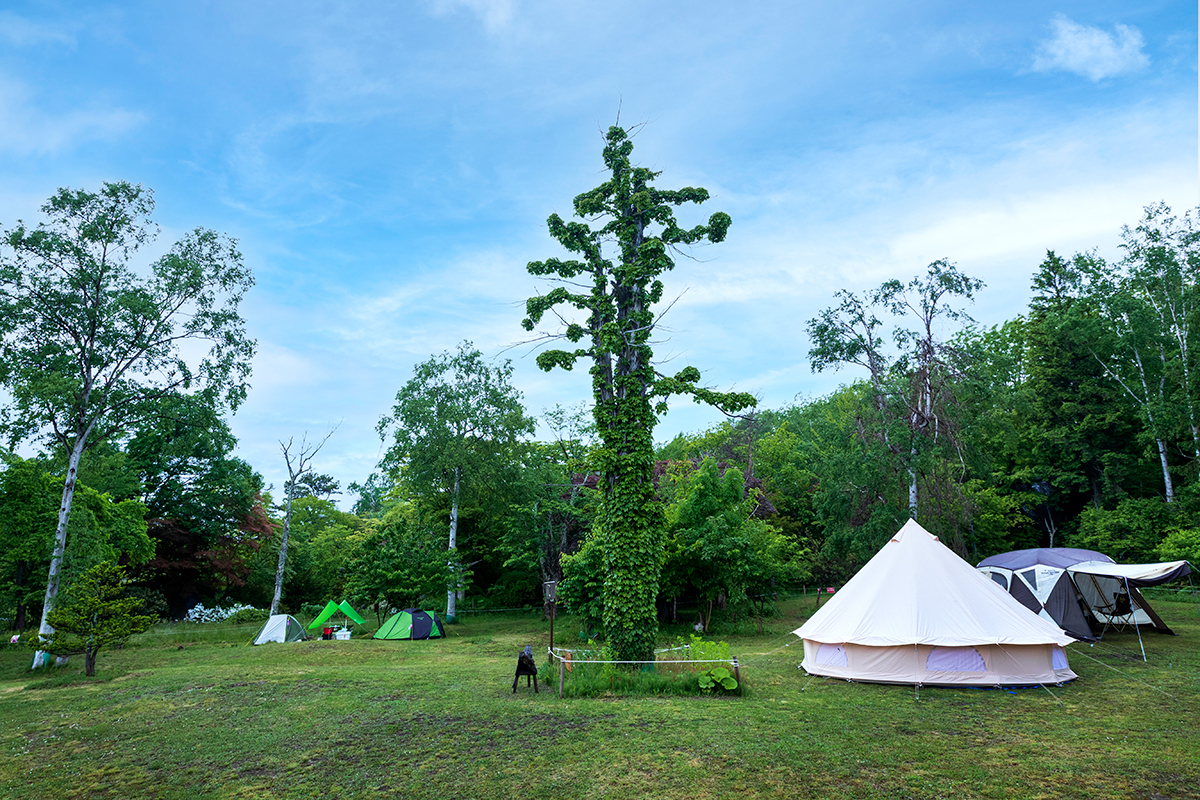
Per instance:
(60,539)
(283,545)
(89,663)
(453,592)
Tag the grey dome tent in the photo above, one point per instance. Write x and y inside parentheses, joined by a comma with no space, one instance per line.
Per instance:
(1078,588)
(280,628)
(411,623)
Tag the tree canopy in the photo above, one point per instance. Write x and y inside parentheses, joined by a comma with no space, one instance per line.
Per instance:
(91,343)
(454,429)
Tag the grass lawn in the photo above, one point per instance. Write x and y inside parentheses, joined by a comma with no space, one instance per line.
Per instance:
(207,716)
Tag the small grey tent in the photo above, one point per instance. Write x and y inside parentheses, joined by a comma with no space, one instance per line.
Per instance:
(280,628)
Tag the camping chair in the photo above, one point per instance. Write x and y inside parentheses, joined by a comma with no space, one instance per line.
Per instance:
(1119,612)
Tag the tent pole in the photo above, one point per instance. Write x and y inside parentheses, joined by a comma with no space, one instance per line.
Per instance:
(1133,616)
(1192,588)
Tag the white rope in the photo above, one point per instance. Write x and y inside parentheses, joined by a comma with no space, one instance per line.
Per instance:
(729,660)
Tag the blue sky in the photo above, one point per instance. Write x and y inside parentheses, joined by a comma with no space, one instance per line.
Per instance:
(388,167)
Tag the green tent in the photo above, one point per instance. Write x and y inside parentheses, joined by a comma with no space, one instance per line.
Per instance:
(332,608)
(411,623)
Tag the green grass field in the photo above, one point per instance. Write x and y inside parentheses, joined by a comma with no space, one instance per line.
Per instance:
(203,715)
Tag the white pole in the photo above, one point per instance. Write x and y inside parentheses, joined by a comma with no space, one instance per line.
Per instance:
(1133,616)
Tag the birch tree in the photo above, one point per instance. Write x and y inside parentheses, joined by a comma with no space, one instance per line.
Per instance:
(1129,342)
(454,424)
(912,391)
(299,464)
(1162,270)
(91,340)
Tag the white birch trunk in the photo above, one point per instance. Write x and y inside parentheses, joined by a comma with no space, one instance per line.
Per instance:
(60,540)
(452,594)
(1168,485)
(283,545)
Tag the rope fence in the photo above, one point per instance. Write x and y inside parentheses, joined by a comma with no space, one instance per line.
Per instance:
(567,662)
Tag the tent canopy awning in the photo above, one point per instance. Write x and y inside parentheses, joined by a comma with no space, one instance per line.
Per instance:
(328,611)
(1137,574)
(349,611)
(1059,557)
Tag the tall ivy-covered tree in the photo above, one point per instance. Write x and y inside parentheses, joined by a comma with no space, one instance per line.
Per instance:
(89,343)
(454,426)
(622,247)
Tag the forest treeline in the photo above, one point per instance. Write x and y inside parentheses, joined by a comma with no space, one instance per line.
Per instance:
(1076,424)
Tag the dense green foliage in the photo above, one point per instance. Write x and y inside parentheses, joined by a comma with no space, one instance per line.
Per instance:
(100,529)
(1076,423)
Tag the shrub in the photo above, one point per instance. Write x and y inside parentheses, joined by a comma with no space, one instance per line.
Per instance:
(202,614)
(589,679)
(248,616)
(154,602)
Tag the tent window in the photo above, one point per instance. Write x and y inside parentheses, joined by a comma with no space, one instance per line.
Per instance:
(832,655)
(955,659)
(1000,579)
(1058,659)
(1030,576)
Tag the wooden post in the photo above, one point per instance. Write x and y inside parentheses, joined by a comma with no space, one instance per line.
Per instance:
(561,670)
(737,672)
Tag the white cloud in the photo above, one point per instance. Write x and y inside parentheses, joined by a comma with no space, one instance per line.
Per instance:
(495,14)
(1091,52)
(27,130)
(25,33)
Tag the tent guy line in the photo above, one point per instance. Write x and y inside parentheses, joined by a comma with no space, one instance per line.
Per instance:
(1126,674)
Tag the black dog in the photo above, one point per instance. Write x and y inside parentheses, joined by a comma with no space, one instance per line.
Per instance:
(526,667)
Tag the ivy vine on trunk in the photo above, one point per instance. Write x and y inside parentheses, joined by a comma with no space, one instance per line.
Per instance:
(622,258)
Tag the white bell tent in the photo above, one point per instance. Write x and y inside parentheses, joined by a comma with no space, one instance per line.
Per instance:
(916,613)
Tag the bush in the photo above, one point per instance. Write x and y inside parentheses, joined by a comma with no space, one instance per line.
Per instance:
(248,616)
(154,602)
(199,613)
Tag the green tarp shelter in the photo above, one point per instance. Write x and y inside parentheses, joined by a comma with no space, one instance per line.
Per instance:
(411,623)
(332,608)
